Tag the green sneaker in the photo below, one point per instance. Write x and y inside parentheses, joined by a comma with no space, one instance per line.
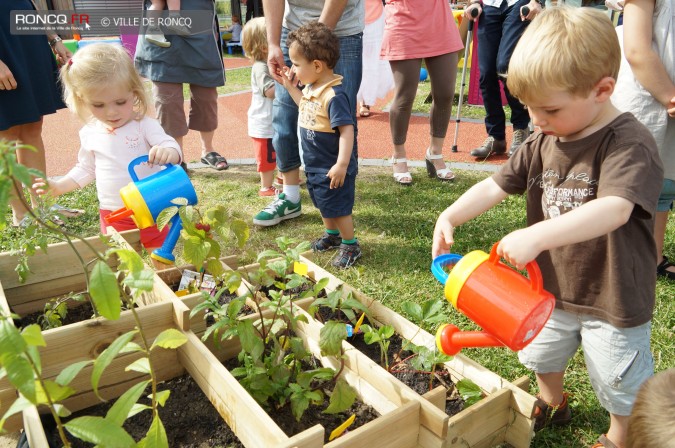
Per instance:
(279,210)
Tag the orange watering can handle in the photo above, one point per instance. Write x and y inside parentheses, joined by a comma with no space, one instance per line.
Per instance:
(532,267)
(118,214)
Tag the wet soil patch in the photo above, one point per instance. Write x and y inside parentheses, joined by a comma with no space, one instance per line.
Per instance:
(80,312)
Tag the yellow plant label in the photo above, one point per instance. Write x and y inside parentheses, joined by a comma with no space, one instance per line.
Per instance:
(300,268)
(337,432)
(359,322)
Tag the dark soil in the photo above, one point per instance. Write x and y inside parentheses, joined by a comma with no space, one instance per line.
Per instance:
(399,365)
(292,292)
(224,299)
(189,418)
(75,314)
(284,418)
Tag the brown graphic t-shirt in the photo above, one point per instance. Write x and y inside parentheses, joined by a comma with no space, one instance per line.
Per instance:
(612,277)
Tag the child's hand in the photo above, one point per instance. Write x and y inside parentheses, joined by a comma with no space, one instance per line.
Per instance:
(671,108)
(443,237)
(160,155)
(337,176)
(289,78)
(518,248)
(40,186)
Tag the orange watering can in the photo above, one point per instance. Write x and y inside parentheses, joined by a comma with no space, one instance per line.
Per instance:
(511,309)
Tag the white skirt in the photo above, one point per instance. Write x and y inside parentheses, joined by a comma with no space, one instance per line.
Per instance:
(377,79)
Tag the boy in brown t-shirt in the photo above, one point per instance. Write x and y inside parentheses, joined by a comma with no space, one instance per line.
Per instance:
(592,176)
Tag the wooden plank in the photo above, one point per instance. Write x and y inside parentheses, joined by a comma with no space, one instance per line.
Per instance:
(428,439)
(437,397)
(396,429)
(309,438)
(523,382)
(520,428)
(244,416)
(33,426)
(488,416)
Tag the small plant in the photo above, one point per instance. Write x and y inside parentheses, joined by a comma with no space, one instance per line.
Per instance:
(274,365)
(382,336)
(56,310)
(339,303)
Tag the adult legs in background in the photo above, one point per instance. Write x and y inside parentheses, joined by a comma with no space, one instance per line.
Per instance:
(664,267)
(406,77)
(28,134)
(442,69)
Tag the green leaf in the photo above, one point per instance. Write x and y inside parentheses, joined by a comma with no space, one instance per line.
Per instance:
(156,436)
(141,365)
(56,391)
(99,431)
(20,374)
(119,411)
(414,310)
(162,396)
(343,397)
(140,281)
(165,216)
(104,291)
(11,342)
(330,338)
(137,408)
(129,259)
(241,231)
(19,405)
(70,372)
(33,335)
(131,347)
(170,338)
(215,267)
(107,356)
(469,391)
(195,250)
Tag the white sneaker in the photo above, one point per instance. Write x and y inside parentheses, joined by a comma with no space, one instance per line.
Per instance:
(155,36)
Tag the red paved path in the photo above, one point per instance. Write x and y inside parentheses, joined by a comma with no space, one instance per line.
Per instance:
(231,139)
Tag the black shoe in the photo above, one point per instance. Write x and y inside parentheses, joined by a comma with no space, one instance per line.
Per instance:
(519,136)
(347,256)
(662,269)
(326,242)
(489,147)
(547,415)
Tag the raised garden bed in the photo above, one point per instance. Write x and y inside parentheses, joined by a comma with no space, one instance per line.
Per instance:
(504,416)
(59,272)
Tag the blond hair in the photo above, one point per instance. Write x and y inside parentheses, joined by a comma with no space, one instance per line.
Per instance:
(254,39)
(99,66)
(652,422)
(564,48)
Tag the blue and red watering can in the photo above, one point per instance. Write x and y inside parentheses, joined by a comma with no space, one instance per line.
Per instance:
(145,199)
(511,309)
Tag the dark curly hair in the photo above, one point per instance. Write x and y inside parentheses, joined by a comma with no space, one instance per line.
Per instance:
(316,42)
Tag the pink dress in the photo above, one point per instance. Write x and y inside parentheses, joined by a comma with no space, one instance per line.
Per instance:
(416,29)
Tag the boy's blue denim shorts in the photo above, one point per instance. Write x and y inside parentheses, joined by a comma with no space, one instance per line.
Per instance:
(331,203)
(667,196)
(618,360)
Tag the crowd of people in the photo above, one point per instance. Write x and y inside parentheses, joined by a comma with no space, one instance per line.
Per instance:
(598,173)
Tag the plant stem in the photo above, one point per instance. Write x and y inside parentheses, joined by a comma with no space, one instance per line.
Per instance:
(146,349)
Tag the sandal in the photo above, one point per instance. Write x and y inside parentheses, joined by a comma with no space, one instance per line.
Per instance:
(444,174)
(364,111)
(66,212)
(215,161)
(604,442)
(662,269)
(404,178)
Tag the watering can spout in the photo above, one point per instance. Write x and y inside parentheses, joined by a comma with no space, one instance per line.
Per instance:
(450,340)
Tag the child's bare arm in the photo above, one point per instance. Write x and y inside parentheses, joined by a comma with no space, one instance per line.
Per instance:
(338,171)
(479,198)
(593,219)
(269,93)
(54,187)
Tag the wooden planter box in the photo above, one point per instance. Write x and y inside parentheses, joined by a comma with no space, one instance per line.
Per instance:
(397,426)
(505,415)
(59,272)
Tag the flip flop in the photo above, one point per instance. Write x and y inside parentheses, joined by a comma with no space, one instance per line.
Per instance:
(66,212)
(364,111)
(215,161)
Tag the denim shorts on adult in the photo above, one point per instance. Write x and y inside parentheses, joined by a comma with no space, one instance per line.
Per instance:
(618,360)
(331,203)
(667,196)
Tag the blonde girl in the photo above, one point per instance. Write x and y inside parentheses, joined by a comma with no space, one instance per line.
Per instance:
(102,87)
(260,129)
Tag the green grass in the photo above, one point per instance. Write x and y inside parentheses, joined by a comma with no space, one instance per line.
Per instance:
(394,225)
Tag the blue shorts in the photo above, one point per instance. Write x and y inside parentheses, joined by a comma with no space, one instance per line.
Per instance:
(618,360)
(667,196)
(331,203)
